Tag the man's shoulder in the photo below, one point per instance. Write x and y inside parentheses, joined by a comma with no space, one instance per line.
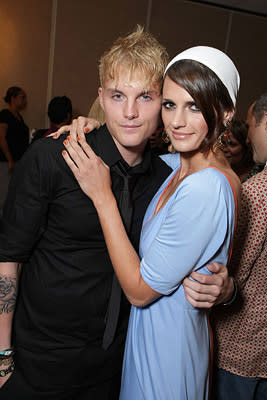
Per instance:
(45,152)
(48,144)
(160,162)
(256,180)
(254,191)
(160,169)
(97,138)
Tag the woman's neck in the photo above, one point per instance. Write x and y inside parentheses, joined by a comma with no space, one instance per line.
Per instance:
(196,161)
(14,111)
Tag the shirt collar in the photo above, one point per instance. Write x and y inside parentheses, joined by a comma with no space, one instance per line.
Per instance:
(110,154)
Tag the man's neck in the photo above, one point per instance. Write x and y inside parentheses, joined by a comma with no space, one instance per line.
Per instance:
(132,155)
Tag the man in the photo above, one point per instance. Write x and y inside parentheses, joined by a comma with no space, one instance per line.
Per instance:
(68,336)
(59,113)
(241,329)
(63,350)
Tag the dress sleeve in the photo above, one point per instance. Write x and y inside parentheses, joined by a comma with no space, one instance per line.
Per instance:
(4,116)
(193,231)
(25,209)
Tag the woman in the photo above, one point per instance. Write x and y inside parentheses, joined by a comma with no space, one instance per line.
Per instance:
(238,152)
(189,223)
(14,136)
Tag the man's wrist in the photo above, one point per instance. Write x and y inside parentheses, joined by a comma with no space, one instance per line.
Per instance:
(234,293)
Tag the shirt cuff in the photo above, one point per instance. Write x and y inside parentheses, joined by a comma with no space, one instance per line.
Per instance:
(233,297)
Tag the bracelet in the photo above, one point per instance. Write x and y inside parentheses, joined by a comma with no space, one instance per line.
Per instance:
(6,361)
(4,372)
(6,354)
(233,297)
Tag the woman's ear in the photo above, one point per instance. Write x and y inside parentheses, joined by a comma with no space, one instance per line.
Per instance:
(228,115)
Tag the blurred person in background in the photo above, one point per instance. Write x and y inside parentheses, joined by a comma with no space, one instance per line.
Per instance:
(240,329)
(238,152)
(59,113)
(14,136)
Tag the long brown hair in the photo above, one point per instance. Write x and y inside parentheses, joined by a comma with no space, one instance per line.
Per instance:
(209,94)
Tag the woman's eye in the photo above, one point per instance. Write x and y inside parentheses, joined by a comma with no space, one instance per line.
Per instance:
(168,105)
(194,107)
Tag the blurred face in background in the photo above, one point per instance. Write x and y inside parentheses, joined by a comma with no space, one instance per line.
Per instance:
(257,137)
(233,150)
(20,101)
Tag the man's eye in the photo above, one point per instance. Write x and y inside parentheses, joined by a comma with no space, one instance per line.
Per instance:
(117,96)
(168,105)
(146,97)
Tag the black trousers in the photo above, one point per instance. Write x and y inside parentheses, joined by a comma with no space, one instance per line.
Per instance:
(17,388)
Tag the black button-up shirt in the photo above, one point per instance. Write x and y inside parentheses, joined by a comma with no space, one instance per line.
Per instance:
(51,226)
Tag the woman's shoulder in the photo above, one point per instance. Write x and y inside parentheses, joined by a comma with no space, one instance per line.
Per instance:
(209,182)
(5,115)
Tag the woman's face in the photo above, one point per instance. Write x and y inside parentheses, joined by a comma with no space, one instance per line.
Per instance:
(233,151)
(183,121)
(20,100)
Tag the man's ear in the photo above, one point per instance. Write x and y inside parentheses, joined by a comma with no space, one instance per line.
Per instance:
(100,94)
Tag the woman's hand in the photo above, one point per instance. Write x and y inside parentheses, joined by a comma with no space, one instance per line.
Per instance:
(90,170)
(78,128)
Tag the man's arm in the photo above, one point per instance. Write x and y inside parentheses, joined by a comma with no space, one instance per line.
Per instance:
(9,275)
(209,290)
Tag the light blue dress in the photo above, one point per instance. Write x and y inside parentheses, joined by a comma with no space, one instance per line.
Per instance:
(168,343)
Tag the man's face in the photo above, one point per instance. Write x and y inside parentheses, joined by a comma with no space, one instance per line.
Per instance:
(257,137)
(131,110)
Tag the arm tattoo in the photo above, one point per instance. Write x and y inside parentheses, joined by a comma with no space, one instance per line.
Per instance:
(8,293)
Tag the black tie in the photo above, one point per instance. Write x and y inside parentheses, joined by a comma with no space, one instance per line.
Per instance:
(126,210)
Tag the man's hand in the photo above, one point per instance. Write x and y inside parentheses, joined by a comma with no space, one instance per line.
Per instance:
(78,127)
(209,290)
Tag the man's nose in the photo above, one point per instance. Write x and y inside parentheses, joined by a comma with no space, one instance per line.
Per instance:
(131,110)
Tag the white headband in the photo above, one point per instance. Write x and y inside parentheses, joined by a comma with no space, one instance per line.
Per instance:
(217,61)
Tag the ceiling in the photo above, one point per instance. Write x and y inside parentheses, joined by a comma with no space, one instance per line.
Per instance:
(258,7)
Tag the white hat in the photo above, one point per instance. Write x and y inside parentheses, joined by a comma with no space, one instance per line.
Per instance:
(217,61)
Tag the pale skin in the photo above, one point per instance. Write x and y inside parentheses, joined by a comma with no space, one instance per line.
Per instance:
(126,262)
(257,136)
(9,276)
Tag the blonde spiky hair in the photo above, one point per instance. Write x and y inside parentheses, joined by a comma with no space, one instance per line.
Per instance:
(138,51)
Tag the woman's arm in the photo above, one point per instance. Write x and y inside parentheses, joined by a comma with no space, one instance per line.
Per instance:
(78,128)
(4,146)
(192,233)
(94,178)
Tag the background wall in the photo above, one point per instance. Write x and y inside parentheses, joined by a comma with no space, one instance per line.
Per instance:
(52,47)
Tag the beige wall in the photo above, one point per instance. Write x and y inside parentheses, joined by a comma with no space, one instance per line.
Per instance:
(24,51)
(52,47)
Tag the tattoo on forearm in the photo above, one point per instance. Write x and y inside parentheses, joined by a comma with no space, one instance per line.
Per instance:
(8,293)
